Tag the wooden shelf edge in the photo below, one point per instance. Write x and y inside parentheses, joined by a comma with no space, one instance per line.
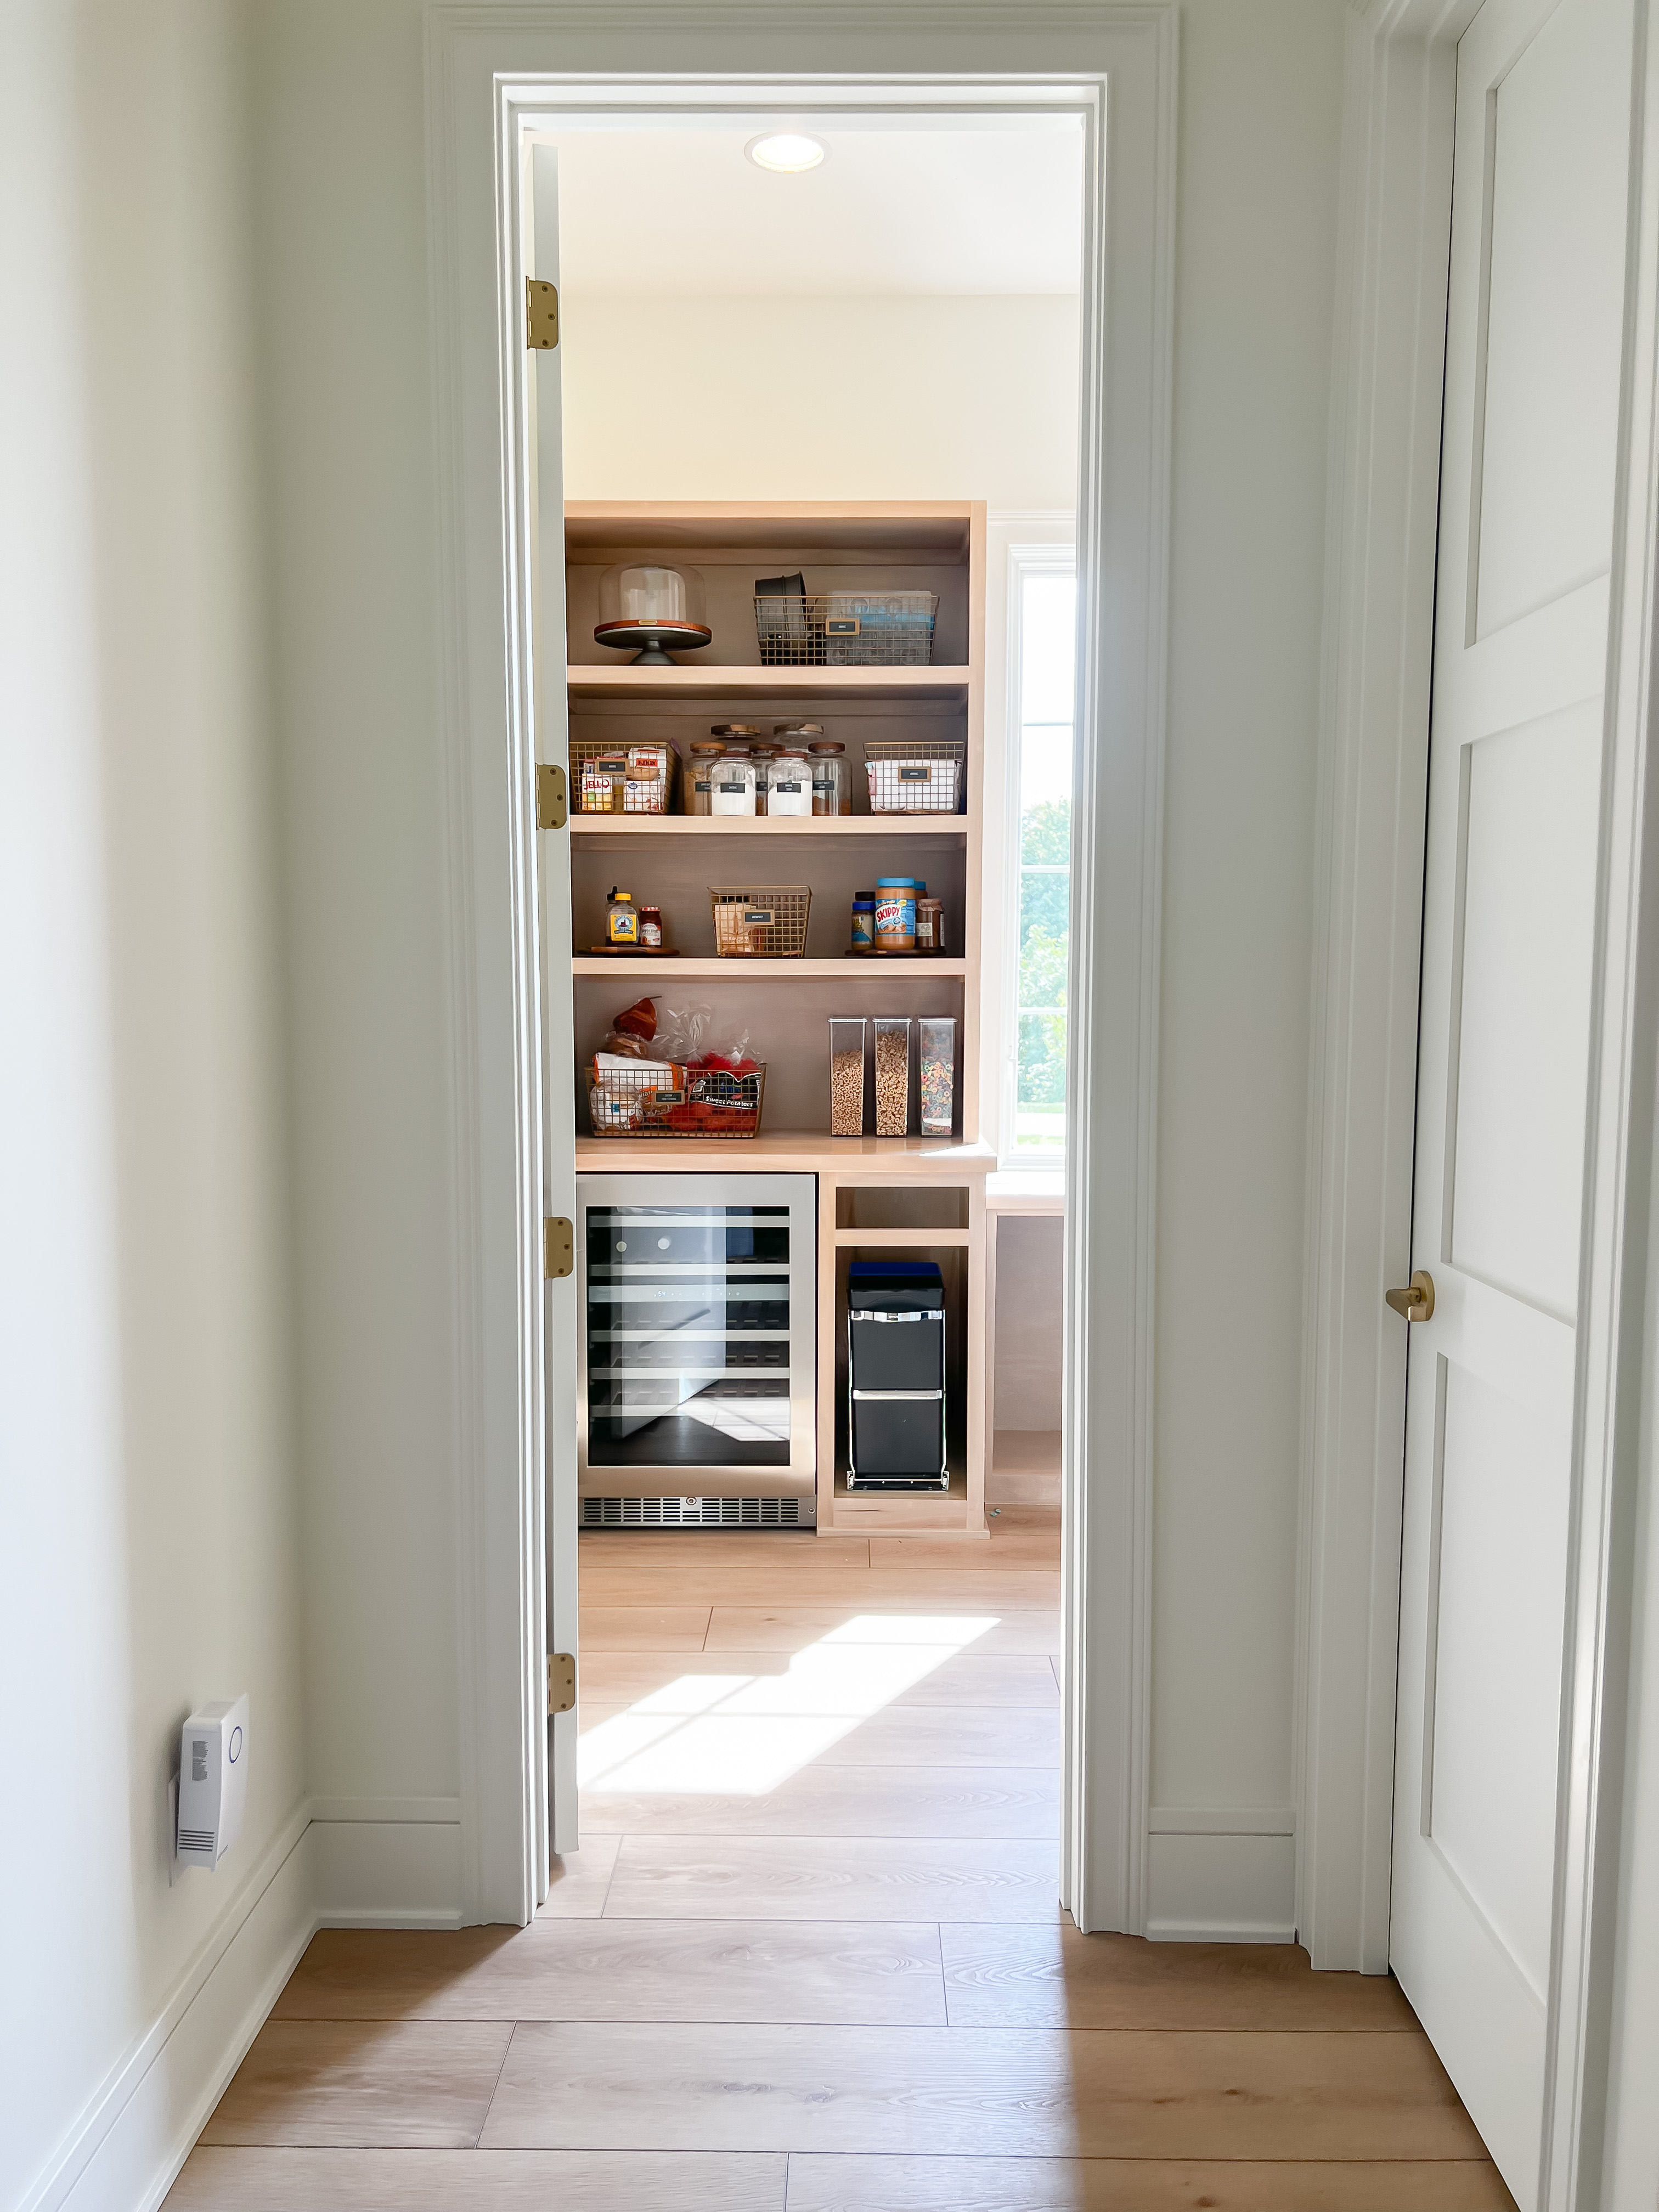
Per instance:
(903,1240)
(595,680)
(809,1151)
(796,971)
(915,827)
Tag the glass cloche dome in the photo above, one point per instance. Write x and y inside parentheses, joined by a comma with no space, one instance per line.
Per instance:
(658,611)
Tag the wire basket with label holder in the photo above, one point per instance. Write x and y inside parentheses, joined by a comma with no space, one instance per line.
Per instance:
(846,629)
(623,779)
(761,924)
(666,1098)
(915,775)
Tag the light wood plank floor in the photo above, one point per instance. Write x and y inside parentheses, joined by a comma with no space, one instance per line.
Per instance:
(809,1959)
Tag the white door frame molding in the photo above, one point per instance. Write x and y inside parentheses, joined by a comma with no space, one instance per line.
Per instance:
(1385,459)
(489,69)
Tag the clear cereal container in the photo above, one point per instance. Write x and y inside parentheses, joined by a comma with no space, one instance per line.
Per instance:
(892,1075)
(936,1053)
(847,1075)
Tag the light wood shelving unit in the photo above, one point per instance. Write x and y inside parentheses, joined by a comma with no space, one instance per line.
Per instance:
(922,1196)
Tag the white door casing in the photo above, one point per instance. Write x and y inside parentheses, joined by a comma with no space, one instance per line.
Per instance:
(489,77)
(1534,352)
(549,655)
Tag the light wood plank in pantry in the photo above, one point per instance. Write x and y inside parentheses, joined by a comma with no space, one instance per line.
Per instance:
(578,1880)
(944,1735)
(915,1736)
(855,2184)
(886,1975)
(644,1628)
(886,1589)
(214,2181)
(1016,1803)
(792,1628)
(981,2091)
(1052,1976)
(833,1879)
(363,2083)
(617,1679)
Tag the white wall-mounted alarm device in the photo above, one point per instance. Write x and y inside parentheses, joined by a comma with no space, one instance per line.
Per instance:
(212,1782)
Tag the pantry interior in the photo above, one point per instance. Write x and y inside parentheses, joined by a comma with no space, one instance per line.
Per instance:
(918,475)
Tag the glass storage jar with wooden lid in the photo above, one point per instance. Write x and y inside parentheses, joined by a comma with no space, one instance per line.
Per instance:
(734,782)
(706,753)
(789,785)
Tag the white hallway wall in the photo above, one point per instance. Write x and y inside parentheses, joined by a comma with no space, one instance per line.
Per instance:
(341,156)
(149,1546)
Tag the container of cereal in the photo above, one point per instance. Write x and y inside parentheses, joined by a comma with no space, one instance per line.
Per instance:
(847,1075)
(892,1075)
(936,1056)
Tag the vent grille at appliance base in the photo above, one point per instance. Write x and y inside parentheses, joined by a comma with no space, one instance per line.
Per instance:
(196,1839)
(697,1513)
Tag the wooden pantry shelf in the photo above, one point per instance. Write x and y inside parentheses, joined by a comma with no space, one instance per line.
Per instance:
(950,829)
(811,1151)
(901,1240)
(626,680)
(735,971)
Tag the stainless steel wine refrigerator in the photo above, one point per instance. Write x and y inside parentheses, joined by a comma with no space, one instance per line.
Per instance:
(697,1351)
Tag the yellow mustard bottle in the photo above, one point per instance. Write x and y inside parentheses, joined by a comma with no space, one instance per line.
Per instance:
(622,919)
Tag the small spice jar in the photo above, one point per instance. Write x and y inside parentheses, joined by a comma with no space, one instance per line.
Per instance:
(930,925)
(734,782)
(896,913)
(789,782)
(832,793)
(864,921)
(699,783)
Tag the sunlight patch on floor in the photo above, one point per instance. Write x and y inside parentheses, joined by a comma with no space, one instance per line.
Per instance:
(740,1735)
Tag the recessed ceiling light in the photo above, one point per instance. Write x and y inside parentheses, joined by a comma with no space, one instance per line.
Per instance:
(786,151)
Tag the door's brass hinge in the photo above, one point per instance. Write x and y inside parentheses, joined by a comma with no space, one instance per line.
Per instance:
(541,314)
(552,809)
(561,1682)
(558,1248)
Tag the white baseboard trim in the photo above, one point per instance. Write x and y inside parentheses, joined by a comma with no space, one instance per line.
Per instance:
(1219,1886)
(378,1873)
(1221,1820)
(1218,1931)
(125,2133)
(336,1863)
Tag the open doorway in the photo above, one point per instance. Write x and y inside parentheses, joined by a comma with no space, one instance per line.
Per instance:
(837,416)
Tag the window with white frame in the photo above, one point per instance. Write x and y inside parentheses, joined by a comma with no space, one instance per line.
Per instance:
(1043,660)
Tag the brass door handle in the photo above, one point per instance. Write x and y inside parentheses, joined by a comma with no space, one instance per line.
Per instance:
(1416,1301)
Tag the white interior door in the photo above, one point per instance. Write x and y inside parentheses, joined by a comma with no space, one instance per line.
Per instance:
(1534,344)
(543,453)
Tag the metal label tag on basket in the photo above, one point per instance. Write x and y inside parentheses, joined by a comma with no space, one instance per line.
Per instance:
(915,775)
(761,915)
(841,626)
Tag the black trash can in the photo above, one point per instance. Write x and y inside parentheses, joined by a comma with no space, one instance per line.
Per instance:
(896,1376)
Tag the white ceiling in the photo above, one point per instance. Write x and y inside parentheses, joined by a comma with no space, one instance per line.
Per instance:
(680,212)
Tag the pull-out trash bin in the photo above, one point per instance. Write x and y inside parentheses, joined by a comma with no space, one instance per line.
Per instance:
(896,1376)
